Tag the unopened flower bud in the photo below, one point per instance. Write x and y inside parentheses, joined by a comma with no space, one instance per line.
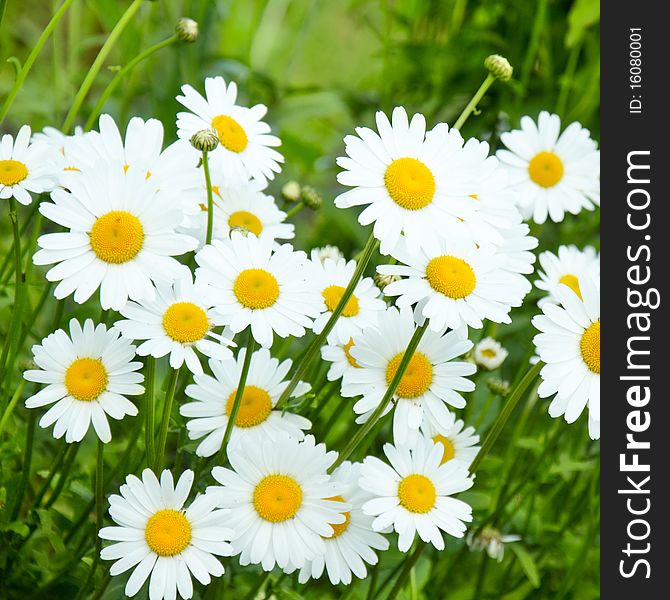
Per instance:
(291,191)
(311,197)
(499,386)
(205,140)
(186,30)
(381,281)
(499,67)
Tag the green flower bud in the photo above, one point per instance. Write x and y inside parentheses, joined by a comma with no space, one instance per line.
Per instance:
(205,140)
(186,30)
(291,191)
(499,67)
(311,197)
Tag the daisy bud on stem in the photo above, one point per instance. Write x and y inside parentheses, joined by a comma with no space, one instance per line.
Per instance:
(206,140)
(291,191)
(499,67)
(381,281)
(186,30)
(311,197)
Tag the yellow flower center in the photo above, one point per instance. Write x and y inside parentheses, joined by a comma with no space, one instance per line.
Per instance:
(255,406)
(86,379)
(451,276)
(117,237)
(277,498)
(417,377)
(449,450)
(573,283)
(590,347)
(347,352)
(247,220)
(12,172)
(410,183)
(488,353)
(185,322)
(332,296)
(256,288)
(339,528)
(545,169)
(417,493)
(231,134)
(168,532)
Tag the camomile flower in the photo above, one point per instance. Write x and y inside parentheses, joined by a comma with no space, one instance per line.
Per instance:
(491,540)
(553,174)
(489,353)
(279,497)
(566,267)
(214,398)
(516,248)
(331,278)
(68,152)
(164,542)
(246,147)
(176,322)
(432,379)
(353,542)
(25,168)
(453,282)
(569,344)
(414,493)
(88,375)
(121,236)
(326,252)
(458,444)
(338,353)
(253,286)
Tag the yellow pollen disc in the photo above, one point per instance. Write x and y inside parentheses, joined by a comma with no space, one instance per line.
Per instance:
(350,359)
(247,220)
(545,169)
(185,322)
(231,134)
(86,379)
(255,406)
(339,528)
(332,296)
(117,237)
(256,288)
(488,353)
(410,183)
(590,347)
(277,498)
(417,493)
(573,283)
(168,532)
(449,450)
(12,172)
(451,276)
(417,377)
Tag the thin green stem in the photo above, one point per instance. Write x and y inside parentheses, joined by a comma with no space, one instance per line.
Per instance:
(315,345)
(150,411)
(210,198)
(97,64)
(533,43)
(407,569)
(64,474)
(472,105)
(12,404)
(52,473)
(165,421)
(295,210)
(27,461)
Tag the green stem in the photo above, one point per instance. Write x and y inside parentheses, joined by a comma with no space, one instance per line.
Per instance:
(210,199)
(165,422)
(407,569)
(472,105)
(363,431)
(52,473)
(11,405)
(37,48)
(64,474)
(150,412)
(533,43)
(317,342)
(97,64)
(295,210)
(27,461)
(111,86)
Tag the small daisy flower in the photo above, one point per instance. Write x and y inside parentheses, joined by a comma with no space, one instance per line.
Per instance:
(252,285)
(326,252)
(25,168)
(432,379)
(87,375)
(489,354)
(214,398)
(569,344)
(339,355)
(491,540)
(458,444)
(68,152)
(414,493)
(567,267)
(176,322)
(553,174)
(161,539)
(278,493)
(121,236)
(246,148)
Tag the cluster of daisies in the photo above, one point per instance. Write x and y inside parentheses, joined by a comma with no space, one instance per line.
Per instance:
(131,223)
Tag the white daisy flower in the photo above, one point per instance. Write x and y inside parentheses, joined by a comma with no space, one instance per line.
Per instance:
(331,278)
(353,542)
(277,495)
(553,174)
(246,146)
(516,248)
(569,344)
(87,375)
(339,355)
(414,493)
(453,282)
(489,353)
(566,267)
(325,252)
(491,540)
(162,540)
(121,236)
(432,379)
(176,322)
(68,152)
(25,168)
(252,285)
(458,444)
(214,398)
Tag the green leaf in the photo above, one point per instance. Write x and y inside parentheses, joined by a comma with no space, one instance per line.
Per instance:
(583,14)
(527,563)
